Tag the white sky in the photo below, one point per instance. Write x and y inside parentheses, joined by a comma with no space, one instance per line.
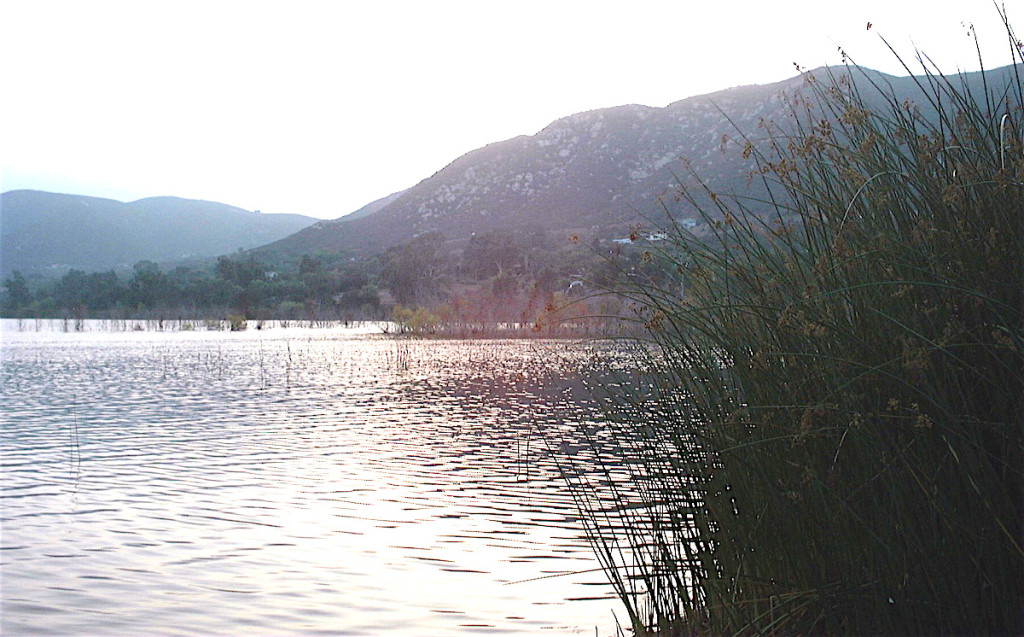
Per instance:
(320,107)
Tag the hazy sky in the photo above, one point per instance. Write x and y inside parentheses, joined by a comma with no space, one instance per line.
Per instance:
(320,107)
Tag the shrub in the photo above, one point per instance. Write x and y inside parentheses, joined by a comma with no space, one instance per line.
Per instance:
(237,322)
(419,320)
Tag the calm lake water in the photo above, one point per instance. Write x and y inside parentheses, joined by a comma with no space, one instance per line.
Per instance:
(291,481)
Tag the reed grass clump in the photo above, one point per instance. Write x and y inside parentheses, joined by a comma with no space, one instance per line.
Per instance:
(832,435)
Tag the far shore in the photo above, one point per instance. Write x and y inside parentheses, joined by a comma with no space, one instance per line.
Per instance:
(392,329)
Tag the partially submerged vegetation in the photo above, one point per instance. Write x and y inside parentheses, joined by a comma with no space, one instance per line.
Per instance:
(831,438)
(494,282)
(232,323)
(318,288)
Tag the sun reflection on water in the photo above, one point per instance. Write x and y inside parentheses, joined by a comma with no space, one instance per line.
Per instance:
(291,481)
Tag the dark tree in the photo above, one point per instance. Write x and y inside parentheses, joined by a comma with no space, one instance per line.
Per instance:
(414,271)
(241,272)
(488,254)
(149,287)
(18,296)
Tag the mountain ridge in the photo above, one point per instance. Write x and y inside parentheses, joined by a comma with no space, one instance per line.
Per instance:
(592,168)
(44,232)
(599,171)
(591,174)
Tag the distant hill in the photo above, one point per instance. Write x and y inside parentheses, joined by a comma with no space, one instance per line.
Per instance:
(43,232)
(593,173)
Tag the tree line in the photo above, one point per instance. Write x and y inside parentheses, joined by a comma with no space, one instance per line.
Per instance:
(494,277)
(240,285)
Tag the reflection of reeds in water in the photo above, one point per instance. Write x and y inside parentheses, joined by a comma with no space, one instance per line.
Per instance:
(831,437)
(288,365)
(523,440)
(75,445)
(398,356)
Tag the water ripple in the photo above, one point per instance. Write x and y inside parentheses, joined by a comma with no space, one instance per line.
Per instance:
(290,482)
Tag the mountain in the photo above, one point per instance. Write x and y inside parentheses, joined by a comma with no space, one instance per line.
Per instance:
(591,174)
(49,232)
(373,206)
(586,173)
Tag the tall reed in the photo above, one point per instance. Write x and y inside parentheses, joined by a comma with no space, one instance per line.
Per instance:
(831,438)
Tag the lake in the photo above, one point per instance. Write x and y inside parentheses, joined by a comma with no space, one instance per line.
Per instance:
(292,481)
